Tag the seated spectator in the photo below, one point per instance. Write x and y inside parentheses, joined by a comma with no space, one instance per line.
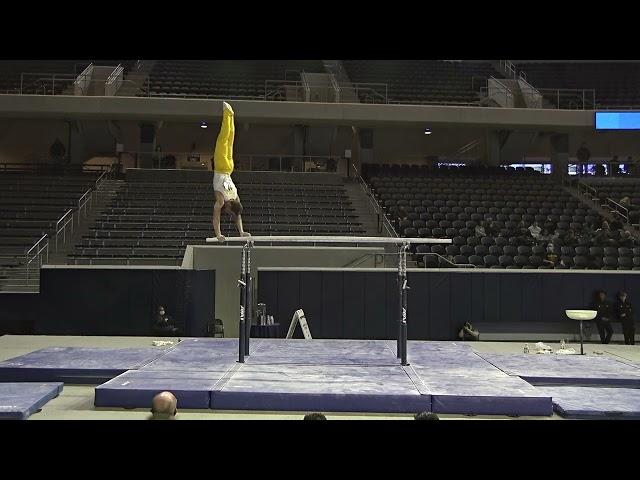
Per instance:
(585,238)
(426,416)
(314,416)
(535,231)
(164,406)
(616,225)
(551,259)
(603,236)
(401,214)
(163,325)
(626,239)
(480,230)
(625,202)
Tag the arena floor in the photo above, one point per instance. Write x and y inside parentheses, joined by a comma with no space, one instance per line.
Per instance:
(76,401)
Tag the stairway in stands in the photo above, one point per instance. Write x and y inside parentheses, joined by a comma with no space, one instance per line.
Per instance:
(107,191)
(363,209)
(137,80)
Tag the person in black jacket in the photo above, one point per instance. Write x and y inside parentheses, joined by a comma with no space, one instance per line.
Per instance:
(624,313)
(603,319)
(163,325)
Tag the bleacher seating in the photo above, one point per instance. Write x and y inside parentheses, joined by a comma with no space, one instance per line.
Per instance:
(153,222)
(30,205)
(445,203)
(616,84)
(222,78)
(616,188)
(423,81)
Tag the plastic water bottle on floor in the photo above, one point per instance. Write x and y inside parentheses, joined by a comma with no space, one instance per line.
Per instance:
(526,348)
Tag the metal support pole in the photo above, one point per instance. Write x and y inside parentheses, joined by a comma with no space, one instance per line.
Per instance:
(581,342)
(403,323)
(399,334)
(248,298)
(242,284)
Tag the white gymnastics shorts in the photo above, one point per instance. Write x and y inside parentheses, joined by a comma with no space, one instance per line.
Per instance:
(222,183)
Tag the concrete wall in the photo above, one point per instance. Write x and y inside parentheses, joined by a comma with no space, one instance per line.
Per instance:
(225,260)
(290,113)
(29,140)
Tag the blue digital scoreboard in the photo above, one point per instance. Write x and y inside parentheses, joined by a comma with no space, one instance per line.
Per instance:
(611,120)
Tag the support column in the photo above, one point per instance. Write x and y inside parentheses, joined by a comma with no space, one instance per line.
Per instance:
(492,152)
(559,156)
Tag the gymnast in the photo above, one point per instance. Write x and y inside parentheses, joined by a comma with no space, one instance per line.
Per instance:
(227,198)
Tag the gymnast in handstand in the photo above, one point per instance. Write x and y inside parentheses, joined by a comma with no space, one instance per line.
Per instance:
(227,198)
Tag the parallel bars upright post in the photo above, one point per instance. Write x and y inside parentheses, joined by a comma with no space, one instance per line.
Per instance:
(245,282)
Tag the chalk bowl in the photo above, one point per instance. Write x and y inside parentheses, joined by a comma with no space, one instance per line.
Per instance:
(581,314)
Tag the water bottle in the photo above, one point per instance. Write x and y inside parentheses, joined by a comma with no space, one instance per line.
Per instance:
(526,348)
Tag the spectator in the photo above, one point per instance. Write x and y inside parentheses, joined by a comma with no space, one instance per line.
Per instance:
(402,214)
(164,406)
(615,225)
(163,325)
(583,154)
(625,202)
(603,236)
(426,416)
(626,239)
(480,230)
(535,231)
(570,239)
(314,416)
(603,318)
(57,151)
(624,313)
(551,258)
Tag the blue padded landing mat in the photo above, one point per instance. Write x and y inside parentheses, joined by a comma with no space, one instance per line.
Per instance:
(322,352)
(19,401)
(570,370)
(199,355)
(326,375)
(136,389)
(75,365)
(595,402)
(477,392)
(337,388)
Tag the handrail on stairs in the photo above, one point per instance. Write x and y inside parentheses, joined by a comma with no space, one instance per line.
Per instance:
(383,220)
(454,265)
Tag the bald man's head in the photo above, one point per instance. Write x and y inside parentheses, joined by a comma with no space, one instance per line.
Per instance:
(164,406)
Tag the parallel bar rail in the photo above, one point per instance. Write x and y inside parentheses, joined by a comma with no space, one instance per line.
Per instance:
(330,239)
